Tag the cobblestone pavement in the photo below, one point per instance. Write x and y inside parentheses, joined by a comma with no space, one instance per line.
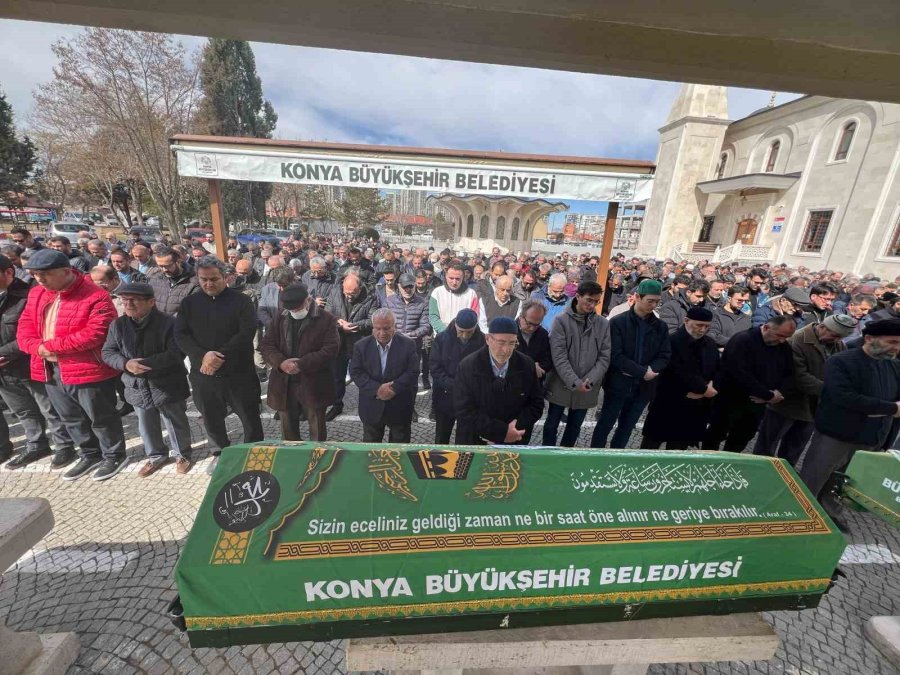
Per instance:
(105,572)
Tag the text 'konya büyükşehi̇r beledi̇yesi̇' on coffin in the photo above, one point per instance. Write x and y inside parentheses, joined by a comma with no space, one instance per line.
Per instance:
(307,541)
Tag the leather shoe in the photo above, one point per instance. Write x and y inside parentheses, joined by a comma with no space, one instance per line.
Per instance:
(62,458)
(334,411)
(25,458)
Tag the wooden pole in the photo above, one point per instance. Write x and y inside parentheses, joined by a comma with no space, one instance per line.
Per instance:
(612,212)
(218,218)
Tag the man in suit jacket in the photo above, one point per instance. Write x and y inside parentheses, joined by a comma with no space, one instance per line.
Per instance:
(385,367)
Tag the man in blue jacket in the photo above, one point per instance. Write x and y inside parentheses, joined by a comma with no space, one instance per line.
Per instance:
(860,399)
(640,351)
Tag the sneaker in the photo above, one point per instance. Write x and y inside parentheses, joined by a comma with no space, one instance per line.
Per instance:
(84,465)
(182,465)
(110,467)
(334,411)
(150,467)
(62,458)
(25,458)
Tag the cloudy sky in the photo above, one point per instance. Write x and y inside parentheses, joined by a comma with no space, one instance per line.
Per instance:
(330,95)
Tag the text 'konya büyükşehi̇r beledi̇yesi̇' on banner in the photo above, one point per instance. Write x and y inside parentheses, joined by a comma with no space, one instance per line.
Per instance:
(313,541)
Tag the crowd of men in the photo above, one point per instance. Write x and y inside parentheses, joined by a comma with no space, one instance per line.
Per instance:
(715,354)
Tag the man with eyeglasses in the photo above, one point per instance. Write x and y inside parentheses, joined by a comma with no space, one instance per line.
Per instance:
(789,303)
(497,396)
(175,283)
(640,351)
(534,340)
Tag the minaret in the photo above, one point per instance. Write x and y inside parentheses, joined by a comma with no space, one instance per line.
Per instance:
(689,147)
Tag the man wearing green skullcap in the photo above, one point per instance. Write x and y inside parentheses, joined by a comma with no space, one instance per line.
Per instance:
(640,350)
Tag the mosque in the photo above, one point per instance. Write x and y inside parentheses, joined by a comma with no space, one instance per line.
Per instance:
(811,182)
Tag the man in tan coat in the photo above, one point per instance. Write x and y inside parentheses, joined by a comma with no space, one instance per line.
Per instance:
(580,346)
(787,426)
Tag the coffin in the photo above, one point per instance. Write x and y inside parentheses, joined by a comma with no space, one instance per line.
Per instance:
(872,481)
(306,541)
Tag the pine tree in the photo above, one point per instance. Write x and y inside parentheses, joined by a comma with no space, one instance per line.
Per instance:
(233,105)
(17,157)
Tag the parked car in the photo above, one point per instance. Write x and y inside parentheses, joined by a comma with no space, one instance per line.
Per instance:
(68,228)
(254,236)
(151,235)
(198,232)
(110,220)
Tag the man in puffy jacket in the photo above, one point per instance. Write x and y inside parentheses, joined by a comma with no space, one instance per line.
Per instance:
(142,345)
(553,297)
(62,328)
(411,311)
(174,284)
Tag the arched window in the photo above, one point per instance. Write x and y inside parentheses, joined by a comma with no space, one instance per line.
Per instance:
(720,170)
(483,228)
(501,227)
(514,235)
(773,156)
(843,148)
(470,226)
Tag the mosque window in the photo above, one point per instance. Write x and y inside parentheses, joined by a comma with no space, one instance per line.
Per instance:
(501,227)
(894,247)
(843,148)
(816,228)
(773,156)
(483,228)
(470,226)
(514,235)
(723,162)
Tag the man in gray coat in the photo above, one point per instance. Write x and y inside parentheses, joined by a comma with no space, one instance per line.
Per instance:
(142,344)
(580,346)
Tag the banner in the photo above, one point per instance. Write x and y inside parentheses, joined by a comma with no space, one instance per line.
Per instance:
(316,541)
(389,174)
(873,482)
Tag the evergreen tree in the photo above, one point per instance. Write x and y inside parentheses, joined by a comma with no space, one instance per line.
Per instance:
(17,157)
(233,105)
(362,207)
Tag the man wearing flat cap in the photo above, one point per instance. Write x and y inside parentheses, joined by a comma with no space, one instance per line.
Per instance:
(787,426)
(680,411)
(301,346)
(142,345)
(451,346)
(63,326)
(860,399)
(497,395)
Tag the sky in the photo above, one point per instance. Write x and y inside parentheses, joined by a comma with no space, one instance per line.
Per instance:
(341,96)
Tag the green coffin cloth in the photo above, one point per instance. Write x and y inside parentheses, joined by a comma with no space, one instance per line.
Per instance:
(317,541)
(873,482)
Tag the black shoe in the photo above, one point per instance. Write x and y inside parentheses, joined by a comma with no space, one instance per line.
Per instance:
(262,375)
(302,416)
(84,465)
(62,458)
(126,409)
(110,467)
(25,458)
(426,385)
(333,412)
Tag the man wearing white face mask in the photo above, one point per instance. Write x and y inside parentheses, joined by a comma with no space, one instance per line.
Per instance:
(301,346)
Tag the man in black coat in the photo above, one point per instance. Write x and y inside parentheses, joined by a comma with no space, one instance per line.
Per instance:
(534,340)
(385,367)
(215,328)
(353,305)
(451,346)
(757,366)
(26,399)
(680,411)
(142,345)
(497,396)
(860,399)
(640,352)
(673,313)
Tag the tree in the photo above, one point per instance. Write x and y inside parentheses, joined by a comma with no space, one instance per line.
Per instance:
(17,156)
(362,207)
(233,105)
(129,96)
(443,228)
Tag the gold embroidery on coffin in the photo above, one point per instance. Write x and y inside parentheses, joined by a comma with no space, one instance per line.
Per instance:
(499,478)
(437,608)
(387,470)
(231,547)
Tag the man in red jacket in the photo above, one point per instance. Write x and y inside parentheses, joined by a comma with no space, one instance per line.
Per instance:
(63,328)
